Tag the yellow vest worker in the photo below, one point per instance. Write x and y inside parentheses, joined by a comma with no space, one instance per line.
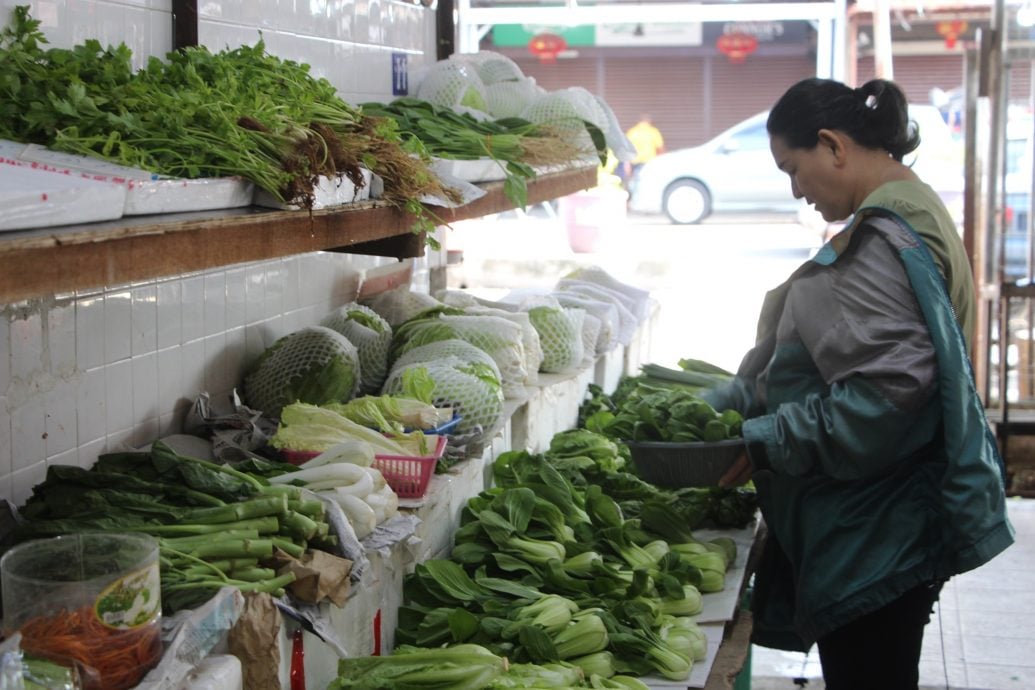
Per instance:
(647,141)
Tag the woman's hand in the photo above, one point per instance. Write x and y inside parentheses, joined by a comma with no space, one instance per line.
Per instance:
(738,473)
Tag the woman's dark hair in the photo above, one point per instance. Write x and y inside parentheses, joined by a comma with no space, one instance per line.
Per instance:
(875,115)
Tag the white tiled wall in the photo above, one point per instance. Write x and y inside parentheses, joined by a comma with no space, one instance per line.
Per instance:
(82,373)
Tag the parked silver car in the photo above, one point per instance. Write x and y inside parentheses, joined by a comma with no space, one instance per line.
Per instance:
(735,172)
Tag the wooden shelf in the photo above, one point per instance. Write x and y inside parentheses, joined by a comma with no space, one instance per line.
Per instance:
(55,260)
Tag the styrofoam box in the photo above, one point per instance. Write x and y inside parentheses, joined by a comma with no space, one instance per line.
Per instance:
(477,170)
(37,198)
(147,193)
(328,193)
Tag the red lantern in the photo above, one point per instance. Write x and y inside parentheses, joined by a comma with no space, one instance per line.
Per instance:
(546,46)
(951,30)
(737,46)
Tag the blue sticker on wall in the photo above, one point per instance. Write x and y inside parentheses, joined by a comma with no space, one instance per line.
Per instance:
(400,75)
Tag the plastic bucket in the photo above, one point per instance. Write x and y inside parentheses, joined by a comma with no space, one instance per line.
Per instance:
(90,601)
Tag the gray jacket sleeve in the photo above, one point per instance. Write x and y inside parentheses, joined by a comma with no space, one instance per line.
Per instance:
(859,323)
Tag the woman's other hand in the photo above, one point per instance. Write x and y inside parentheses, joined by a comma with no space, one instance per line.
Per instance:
(738,473)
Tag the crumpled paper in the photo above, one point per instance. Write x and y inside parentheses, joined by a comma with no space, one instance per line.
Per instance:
(255,640)
(318,576)
(236,430)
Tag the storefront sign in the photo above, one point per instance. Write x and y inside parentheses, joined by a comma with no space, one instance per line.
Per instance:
(610,35)
(520,35)
(649,34)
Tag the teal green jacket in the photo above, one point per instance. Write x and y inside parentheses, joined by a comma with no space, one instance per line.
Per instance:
(875,467)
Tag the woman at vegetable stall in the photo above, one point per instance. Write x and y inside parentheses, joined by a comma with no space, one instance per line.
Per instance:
(876,472)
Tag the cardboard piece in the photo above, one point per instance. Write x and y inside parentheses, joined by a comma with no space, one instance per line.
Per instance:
(254,640)
(319,576)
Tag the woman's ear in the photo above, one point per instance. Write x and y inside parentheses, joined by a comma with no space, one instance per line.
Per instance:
(834,142)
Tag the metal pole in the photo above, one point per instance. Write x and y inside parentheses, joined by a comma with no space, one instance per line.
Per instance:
(840,29)
(883,68)
(824,48)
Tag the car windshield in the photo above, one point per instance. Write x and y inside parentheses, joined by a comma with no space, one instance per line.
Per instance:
(752,138)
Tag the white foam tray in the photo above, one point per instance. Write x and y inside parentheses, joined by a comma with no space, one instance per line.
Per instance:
(146,193)
(477,170)
(38,198)
(328,193)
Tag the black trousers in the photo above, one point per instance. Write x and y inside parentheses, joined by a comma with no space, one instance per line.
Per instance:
(881,650)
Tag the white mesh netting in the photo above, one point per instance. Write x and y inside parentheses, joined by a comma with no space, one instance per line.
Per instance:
(492,67)
(560,332)
(529,336)
(511,98)
(442,349)
(453,84)
(315,365)
(498,337)
(595,274)
(627,321)
(372,336)
(467,387)
(400,304)
(604,312)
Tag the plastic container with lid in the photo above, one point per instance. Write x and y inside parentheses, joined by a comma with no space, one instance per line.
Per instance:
(89,601)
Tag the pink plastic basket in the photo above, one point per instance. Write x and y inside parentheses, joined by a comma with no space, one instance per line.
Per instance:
(409,475)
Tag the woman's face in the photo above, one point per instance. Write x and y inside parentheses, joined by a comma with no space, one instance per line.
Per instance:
(815,177)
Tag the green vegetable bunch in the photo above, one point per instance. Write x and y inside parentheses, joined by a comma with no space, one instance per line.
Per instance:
(240,112)
(217,526)
(516,144)
(546,570)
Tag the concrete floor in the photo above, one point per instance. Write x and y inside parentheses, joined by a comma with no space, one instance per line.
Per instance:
(981,637)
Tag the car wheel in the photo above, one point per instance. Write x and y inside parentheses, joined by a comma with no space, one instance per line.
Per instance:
(686,202)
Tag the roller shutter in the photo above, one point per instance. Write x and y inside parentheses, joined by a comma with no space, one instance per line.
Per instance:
(740,90)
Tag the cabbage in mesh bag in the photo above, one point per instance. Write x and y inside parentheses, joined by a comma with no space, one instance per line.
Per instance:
(566,110)
(499,338)
(400,304)
(511,98)
(529,336)
(371,335)
(444,349)
(639,297)
(605,312)
(453,84)
(492,67)
(471,389)
(627,321)
(313,365)
(560,332)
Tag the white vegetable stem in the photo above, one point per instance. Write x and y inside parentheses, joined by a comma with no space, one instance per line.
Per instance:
(353,451)
(360,515)
(337,474)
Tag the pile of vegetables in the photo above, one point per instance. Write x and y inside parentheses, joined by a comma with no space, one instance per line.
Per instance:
(547,568)
(314,428)
(468,666)
(217,526)
(240,112)
(516,144)
(662,405)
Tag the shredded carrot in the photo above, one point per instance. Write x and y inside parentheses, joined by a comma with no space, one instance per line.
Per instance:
(113,659)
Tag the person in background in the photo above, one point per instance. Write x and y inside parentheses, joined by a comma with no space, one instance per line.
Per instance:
(877,474)
(647,141)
